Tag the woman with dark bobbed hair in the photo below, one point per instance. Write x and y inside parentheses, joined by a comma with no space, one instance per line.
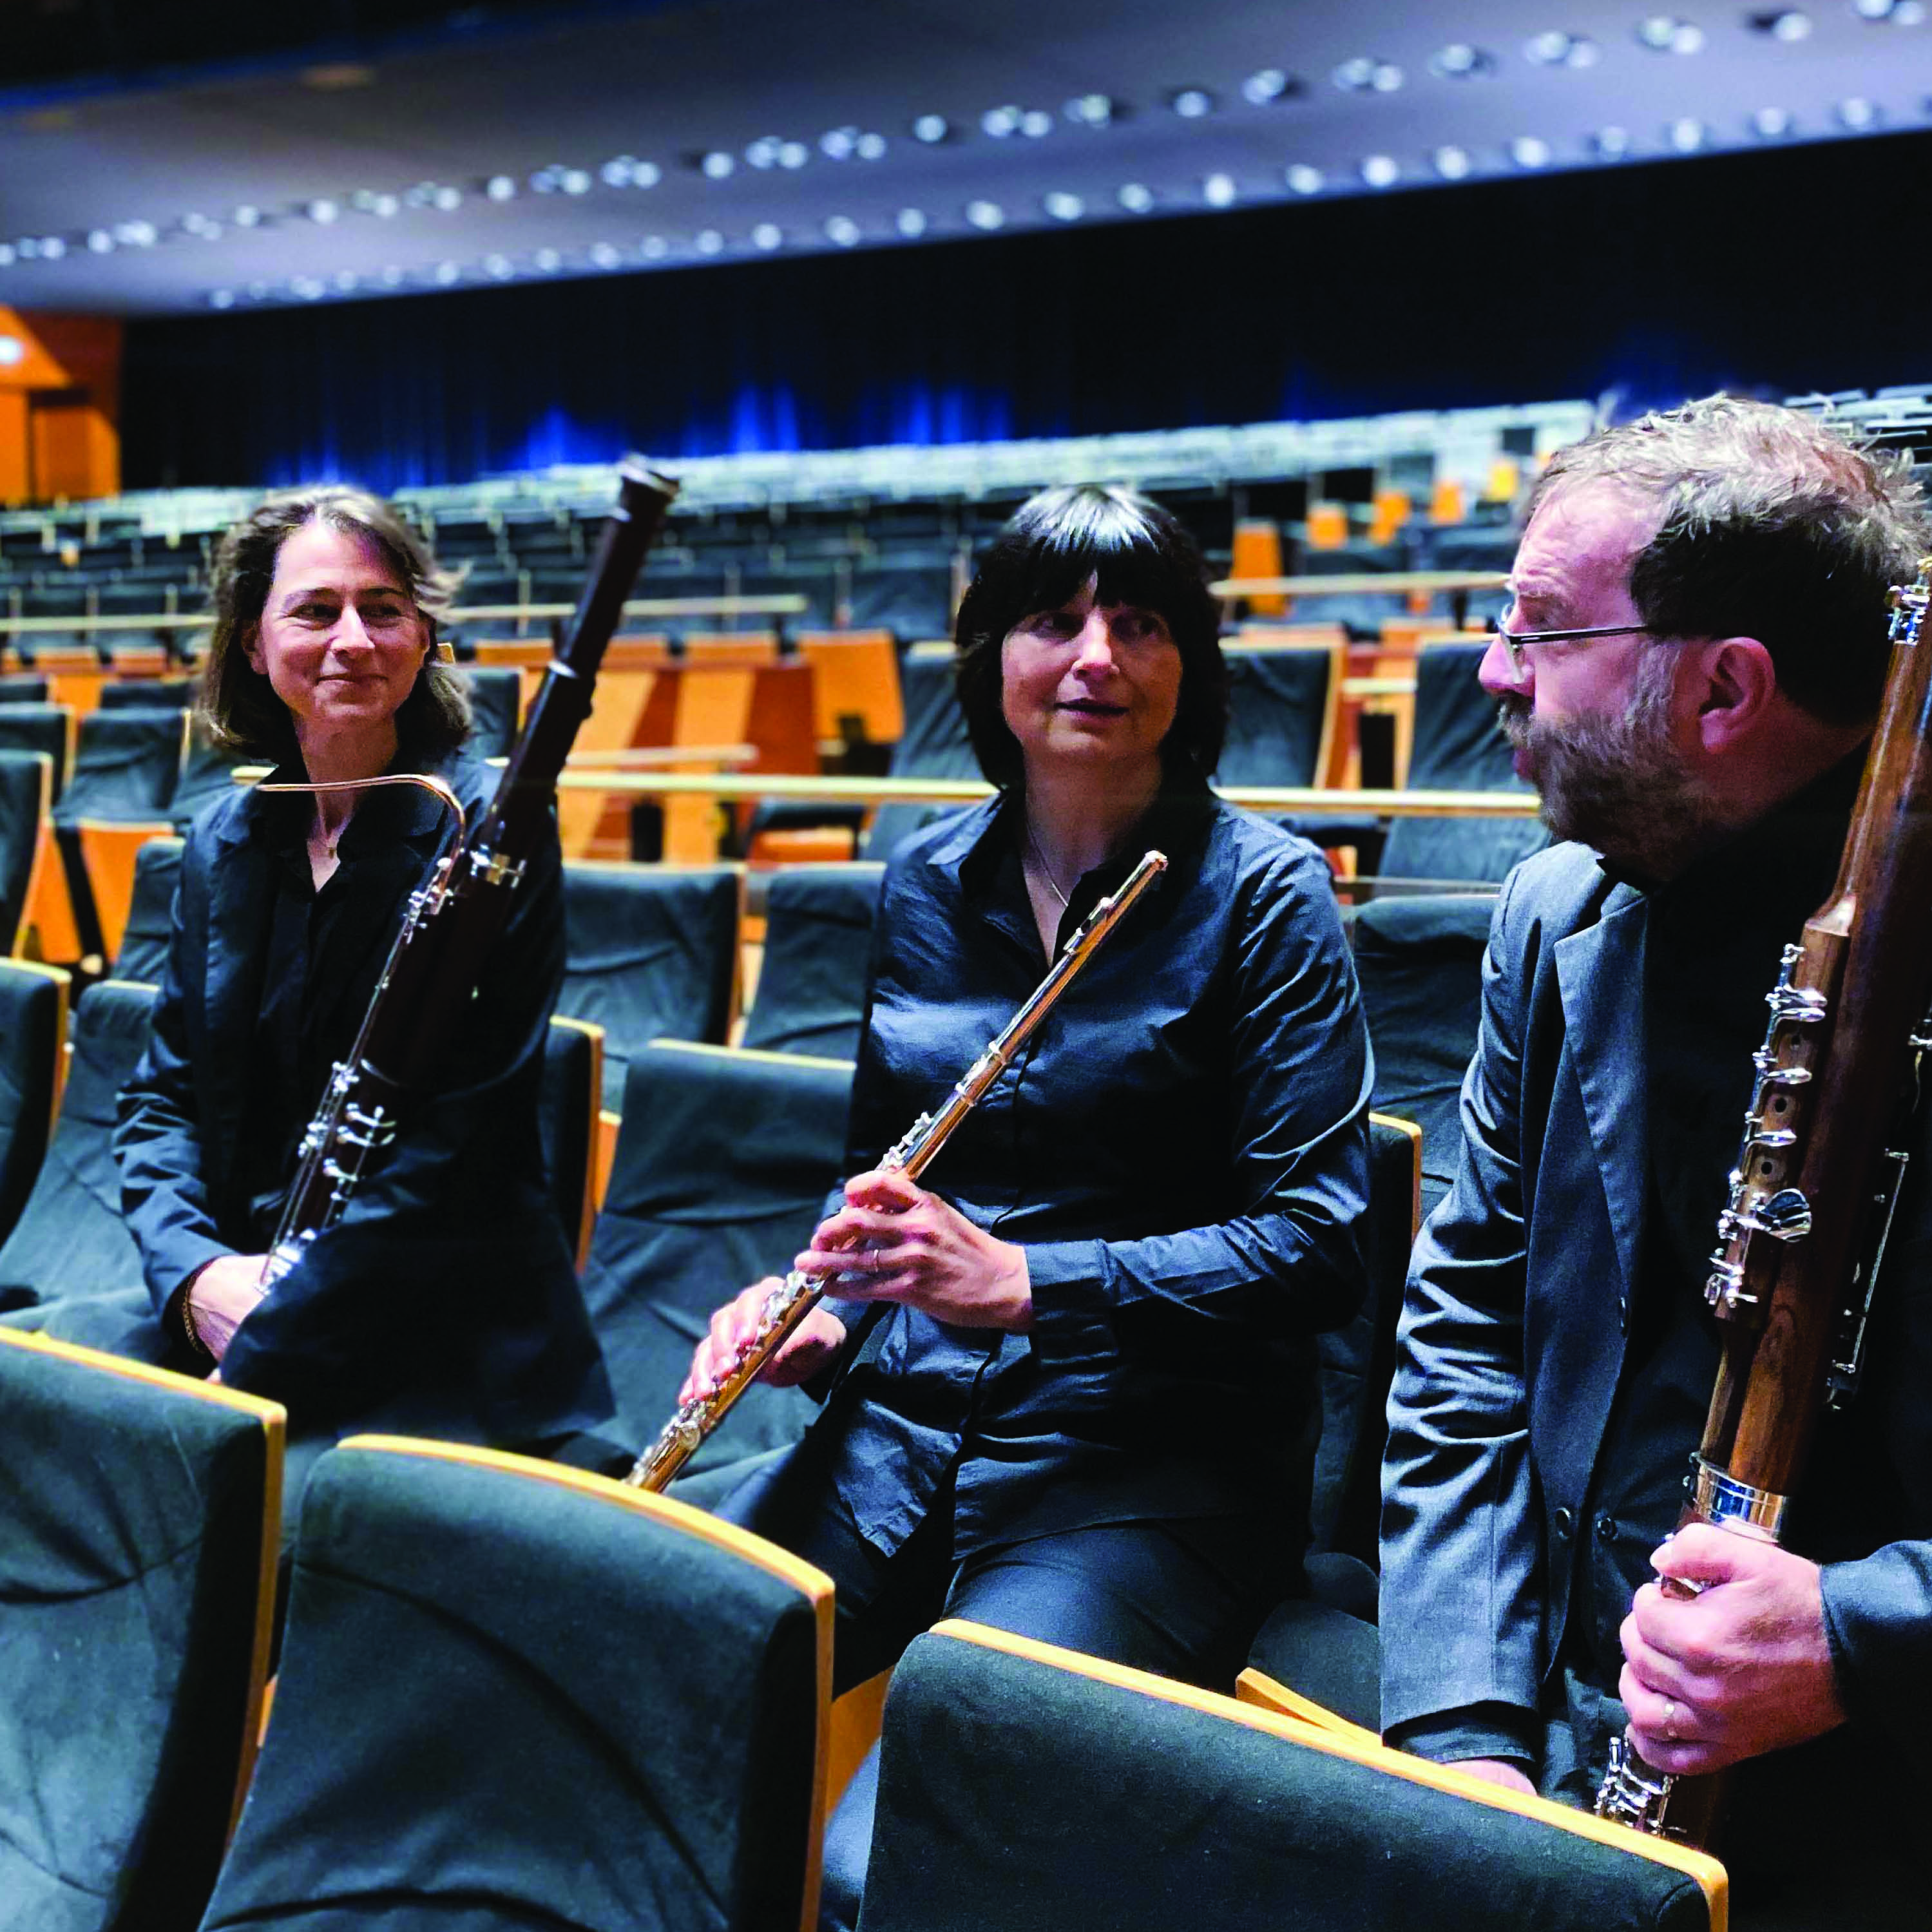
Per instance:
(444,1301)
(1071,1380)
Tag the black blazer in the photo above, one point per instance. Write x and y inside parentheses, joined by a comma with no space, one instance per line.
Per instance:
(445,1299)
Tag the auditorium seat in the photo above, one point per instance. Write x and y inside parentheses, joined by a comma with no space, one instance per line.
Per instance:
(913,600)
(653,952)
(818,943)
(33,1040)
(71,1241)
(149,694)
(1458,746)
(144,940)
(1420,962)
(1282,703)
(1357,1362)
(513,1695)
(47,728)
(26,789)
(934,744)
(127,766)
(208,773)
(722,1167)
(855,685)
(572,1093)
(18,688)
(138,1525)
(496,703)
(1028,1787)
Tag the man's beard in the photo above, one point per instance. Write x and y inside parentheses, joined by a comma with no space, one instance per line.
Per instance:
(1617,782)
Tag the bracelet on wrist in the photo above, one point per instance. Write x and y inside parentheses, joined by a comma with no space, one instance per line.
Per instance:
(195,1342)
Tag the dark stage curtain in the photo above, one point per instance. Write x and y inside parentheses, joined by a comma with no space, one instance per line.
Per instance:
(1775,271)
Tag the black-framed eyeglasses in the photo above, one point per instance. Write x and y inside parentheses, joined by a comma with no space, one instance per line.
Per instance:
(1516,644)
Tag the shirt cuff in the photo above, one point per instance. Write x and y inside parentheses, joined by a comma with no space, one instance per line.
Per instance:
(1068,1281)
(1504,1731)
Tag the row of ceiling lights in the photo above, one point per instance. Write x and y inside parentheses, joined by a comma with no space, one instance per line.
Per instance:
(1662,33)
(1686,135)
(1218,190)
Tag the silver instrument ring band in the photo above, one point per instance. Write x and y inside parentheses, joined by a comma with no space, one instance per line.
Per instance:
(1721,1499)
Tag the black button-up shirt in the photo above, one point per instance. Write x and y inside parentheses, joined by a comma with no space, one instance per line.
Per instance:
(1181,1149)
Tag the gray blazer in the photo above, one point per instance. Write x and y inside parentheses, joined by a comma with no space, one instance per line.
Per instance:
(1513,1334)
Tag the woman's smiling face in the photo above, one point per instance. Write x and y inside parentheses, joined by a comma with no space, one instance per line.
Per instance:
(340,640)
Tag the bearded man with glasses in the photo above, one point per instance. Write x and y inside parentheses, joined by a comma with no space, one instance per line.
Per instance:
(1689,669)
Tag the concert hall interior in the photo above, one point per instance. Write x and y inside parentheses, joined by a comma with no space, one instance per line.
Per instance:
(597,603)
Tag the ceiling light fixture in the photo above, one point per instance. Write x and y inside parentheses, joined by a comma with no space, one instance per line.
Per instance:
(836,144)
(446,273)
(1452,163)
(1558,50)
(1685,134)
(548,260)
(1785,23)
(1264,85)
(931,129)
(1857,114)
(999,122)
(221,297)
(1611,144)
(1086,110)
(842,230)
(1771,124)
(764,152)
(247,216)
(323,211)
(911,222)
(604,255)
(200,225)
(501,187)
(1219,191)
(1364,76)
(345,280)
(1136,197)
(794,154)
(708,241)
(1063,207)
(391,276)
(500,266)
(985,214)
(1381,171)
(767,235)
(100,242)
(718,165)
(1665,33)
(1459,61)
(1529,150)
(870,147)
(654,248)
(1191,104)
(1303,179)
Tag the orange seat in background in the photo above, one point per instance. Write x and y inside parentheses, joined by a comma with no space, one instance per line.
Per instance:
(1257,552)
(855,674)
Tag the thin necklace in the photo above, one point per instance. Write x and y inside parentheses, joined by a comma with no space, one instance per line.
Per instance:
(1045,870)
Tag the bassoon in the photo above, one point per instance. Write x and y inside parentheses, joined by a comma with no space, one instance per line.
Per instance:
(790,1300)
(454,918)
(1801,1237)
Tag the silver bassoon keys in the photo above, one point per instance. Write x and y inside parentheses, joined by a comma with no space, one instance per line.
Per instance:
(795,1297)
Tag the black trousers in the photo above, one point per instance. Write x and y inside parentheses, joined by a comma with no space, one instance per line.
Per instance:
(1181,1599)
